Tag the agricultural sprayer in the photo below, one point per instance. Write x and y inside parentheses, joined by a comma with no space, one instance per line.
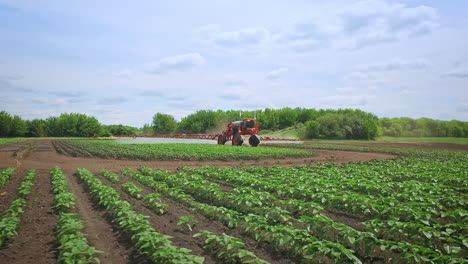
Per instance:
(236,129)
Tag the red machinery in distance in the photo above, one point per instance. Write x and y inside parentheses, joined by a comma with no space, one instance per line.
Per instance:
(236,129)
(233,131)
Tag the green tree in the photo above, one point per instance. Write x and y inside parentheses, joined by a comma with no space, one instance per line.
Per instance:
(5,124)
(18,127)
(37,128)
(164,124)
(312,129)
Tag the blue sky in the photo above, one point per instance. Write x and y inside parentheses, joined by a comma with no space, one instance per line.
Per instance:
(124,61)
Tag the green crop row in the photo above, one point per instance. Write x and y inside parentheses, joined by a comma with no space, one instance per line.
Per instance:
(5,175)
(301,245)
(246,200)
(112,149)
(110,176)
(10,219)
(157,247)
(289,183)
(73,245)
(228,249)
(10,140)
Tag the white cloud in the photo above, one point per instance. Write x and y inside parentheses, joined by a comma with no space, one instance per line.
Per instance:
(276,74)
(461,73)
(123,73)
(407,92)
(235,81)
(394,65)
(374,21)
(182,62)
(345,100)
(11,77)
(251,40)
(239,38)
(361,24)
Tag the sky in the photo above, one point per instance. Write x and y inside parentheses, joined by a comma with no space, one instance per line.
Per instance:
(124,61)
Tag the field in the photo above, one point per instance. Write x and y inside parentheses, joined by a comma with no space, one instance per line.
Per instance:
(393,205)
(174,151)
(4,141)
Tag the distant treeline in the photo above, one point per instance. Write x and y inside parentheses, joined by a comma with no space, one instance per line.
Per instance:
(422,127)
(323,124)
(336,124)
(66,125)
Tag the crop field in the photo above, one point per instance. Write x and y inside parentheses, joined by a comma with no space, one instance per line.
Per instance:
(408,209)
(173,151)
(4,141)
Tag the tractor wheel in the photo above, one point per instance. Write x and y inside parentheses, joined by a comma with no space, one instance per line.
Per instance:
(222,139)
(254,140)
(237,140)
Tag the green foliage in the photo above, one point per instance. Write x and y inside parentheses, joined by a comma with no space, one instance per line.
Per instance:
(415,204)
(343,124)
(72,125)
(147,129)
(113,177)
(153,201)
(422,127)
(312,129)
(187,223)
(133,190)
(228,249)
(37,128)
(5,175)
(12,126)
(164,124)
(66,125)
(120,129)
(339,124)
(4,141)
(157,247)
(110,148)
(73,245)
(11,218)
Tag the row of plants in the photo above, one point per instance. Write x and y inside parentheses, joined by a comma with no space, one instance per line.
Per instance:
(11,218)
(151,201)
(5,175)
(285,239)
(177,151)
(225,248)
(4,141)
(229,249)
(72,243)
(156,246)
(417,220)
(113,177)
(246,200)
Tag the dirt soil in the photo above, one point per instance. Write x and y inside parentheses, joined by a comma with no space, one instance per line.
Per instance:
(36,242)
(416,145)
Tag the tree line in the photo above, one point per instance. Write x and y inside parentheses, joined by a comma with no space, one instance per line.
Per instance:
(313,123)
(322,123)
(422,127)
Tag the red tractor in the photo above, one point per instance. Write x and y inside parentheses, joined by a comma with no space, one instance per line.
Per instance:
(236,129)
